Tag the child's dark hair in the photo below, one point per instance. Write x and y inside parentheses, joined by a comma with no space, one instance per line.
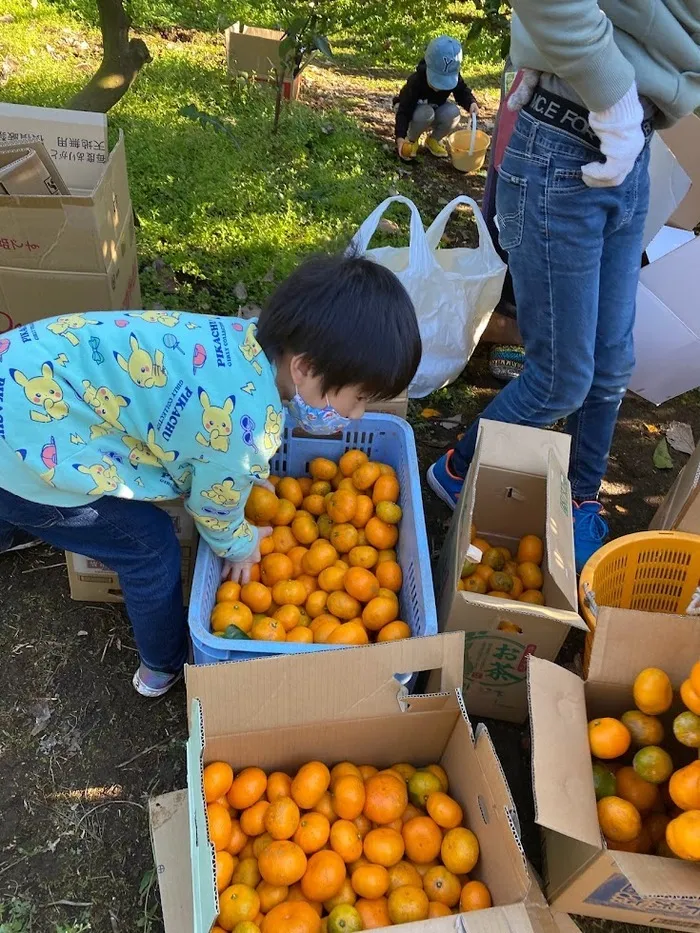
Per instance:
(351,318)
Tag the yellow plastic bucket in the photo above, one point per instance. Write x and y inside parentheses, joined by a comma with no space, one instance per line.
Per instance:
(468,148)
(653,571)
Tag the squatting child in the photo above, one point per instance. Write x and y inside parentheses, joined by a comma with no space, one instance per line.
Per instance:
(102,415)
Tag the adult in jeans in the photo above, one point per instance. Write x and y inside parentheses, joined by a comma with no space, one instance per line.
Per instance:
(572,198)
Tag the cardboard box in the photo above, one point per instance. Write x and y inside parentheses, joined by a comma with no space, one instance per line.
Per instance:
(254,51)
(667,327)
(517,484)
(90,581)
(66,254)
(75,139)
(669,186)
(582,875)
(394,406)
(680,510)
(29,169)
(683,140)
(280,712)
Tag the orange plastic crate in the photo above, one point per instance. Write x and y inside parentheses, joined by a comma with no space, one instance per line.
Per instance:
(653,571)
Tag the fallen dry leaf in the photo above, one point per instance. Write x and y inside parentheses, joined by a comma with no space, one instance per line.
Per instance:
(430,413)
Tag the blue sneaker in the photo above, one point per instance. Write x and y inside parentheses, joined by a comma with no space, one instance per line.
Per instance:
(445,484)
(590,531)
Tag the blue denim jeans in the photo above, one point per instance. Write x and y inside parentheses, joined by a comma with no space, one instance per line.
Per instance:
(135,540)
(574,254)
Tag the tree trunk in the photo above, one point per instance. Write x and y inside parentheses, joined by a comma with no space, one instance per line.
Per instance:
(122,59)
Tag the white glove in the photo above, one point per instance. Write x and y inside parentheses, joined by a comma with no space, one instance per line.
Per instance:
(239,570)
(522,95)
(619,129)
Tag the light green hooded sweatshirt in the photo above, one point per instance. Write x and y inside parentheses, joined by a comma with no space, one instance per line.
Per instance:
(599,49)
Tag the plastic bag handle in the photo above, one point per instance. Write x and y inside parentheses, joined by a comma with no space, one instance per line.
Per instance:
(472,139)
(437,228)
(419,250)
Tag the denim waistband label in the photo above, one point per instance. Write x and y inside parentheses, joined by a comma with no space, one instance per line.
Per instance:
(562,114)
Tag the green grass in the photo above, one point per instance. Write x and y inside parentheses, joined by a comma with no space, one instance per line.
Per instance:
(217,208)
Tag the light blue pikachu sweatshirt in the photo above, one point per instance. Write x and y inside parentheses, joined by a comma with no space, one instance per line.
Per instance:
(148,405)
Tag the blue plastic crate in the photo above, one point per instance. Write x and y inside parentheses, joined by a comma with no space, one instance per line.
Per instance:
(382,437)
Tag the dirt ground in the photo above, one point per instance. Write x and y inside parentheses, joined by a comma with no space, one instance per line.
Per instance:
(80,753)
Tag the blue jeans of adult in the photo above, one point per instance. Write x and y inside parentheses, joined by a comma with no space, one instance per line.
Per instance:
(574,254)
(134,539)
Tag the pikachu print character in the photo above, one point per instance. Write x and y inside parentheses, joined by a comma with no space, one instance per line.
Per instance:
(148,452)
(216,421)
(105,478)
(212,523)
(251,349)
(65,325)
(107,405)
(154,316)
(44,392)
(223,494)
(273,428)
(144,370)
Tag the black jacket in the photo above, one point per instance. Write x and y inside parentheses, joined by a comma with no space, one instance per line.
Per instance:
(417,90)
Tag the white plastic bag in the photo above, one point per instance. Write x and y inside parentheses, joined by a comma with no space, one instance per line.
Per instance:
(454,290)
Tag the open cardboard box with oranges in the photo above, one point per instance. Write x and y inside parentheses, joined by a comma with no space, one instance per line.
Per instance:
(583,876)
(278,713)
(517,485)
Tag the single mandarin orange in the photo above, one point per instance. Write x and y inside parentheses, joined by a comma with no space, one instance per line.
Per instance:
(370,881)
(247,788)
(274,568)
(253,819)
(346,840)
(386,489)
(394,631)
(379,612)
(261,506)
(310,783)
(217,778)
(312,833)
(229,592)
(289,488)
(381,535)
(256,596)
(389,575)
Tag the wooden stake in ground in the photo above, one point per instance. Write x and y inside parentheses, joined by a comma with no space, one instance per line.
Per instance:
(122,59)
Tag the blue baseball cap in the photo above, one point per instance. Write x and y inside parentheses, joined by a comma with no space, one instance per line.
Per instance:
(443,60)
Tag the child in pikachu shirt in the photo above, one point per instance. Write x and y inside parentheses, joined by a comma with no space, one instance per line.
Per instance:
(103,414)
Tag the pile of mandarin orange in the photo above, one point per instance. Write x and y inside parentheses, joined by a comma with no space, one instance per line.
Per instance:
(338,851)
(503,574)
(646,770)
(328,573)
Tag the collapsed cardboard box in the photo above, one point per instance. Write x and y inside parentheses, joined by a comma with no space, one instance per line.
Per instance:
(680,510)
(67,253)
(582,875)
(253,51)
(29,169)
(517,484)
(667,327)
(90,581)
(280,712)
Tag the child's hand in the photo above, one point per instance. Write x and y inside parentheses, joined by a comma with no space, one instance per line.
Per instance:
(239,570)
(474,109)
